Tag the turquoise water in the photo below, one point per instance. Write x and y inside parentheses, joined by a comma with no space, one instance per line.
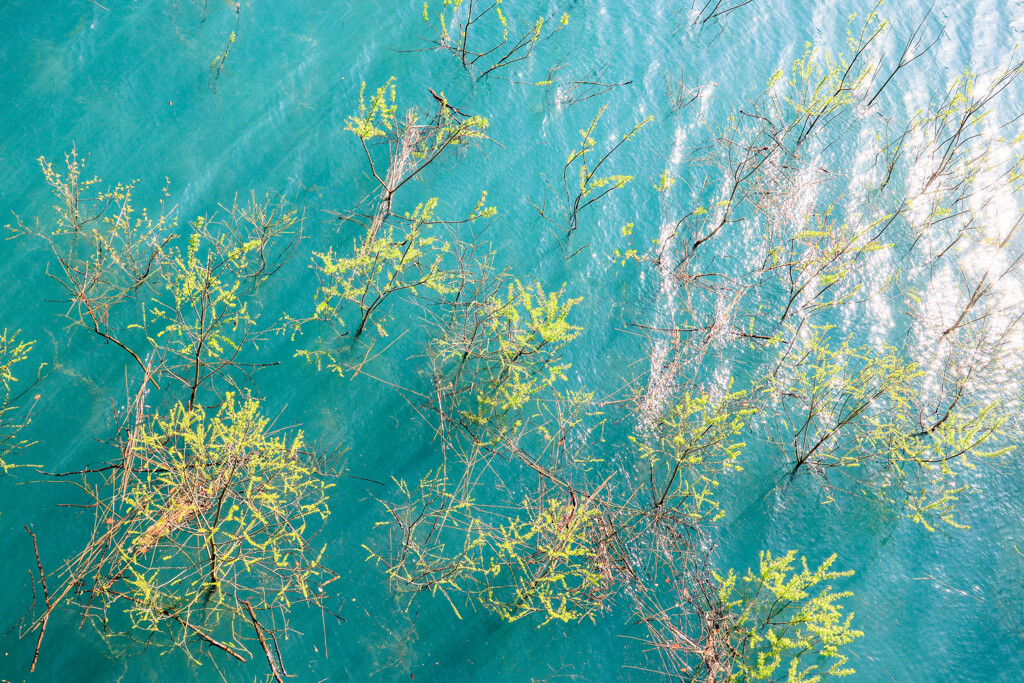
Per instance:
(130,86)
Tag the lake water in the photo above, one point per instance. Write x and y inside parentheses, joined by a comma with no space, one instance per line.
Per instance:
(129,85)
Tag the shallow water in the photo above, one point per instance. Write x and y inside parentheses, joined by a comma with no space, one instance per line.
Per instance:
(130,86)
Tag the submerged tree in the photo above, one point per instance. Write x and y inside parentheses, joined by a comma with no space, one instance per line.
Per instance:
(204,534)
(494,367)
(187,311)
(779,624)
(478,33)
(834,408)
(398,252)
(583,182)
(105,250)
(204,524)
(202,330)
(776,623)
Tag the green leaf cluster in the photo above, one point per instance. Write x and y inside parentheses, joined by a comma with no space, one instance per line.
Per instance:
(788,624)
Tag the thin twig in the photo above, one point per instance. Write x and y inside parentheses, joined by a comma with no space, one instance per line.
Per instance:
(263,643)
(46,596)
